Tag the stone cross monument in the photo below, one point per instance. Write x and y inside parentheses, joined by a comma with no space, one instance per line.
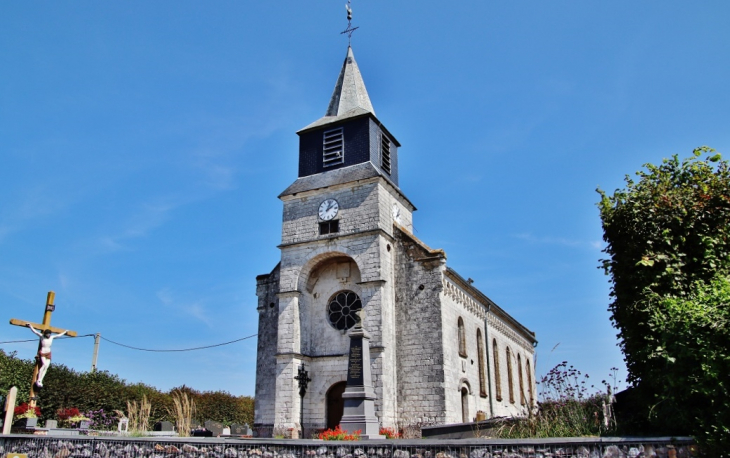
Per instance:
(44,355)
(359,396)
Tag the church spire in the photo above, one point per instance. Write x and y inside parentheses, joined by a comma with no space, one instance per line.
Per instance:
(350,92)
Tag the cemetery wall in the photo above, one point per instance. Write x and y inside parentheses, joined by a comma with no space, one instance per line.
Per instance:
(118,447)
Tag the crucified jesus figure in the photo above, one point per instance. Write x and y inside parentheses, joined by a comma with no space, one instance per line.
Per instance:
(44,352)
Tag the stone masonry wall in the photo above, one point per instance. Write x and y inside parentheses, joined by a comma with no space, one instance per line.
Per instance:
(211,447)
(364,206)
(267,287)
(309,277)
(420,363)
(459,303)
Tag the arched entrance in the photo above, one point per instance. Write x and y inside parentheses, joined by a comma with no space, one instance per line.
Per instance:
(335,404)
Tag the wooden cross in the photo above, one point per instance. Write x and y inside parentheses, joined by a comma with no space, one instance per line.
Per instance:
(45,325)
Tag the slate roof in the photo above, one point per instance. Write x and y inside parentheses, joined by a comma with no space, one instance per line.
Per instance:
(355,172)
(350,98)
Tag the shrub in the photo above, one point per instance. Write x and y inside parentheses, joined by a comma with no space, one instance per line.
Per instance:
(668,247)
(100,392)
(566,408)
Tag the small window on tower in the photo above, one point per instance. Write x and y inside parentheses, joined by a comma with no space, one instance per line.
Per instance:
(329,227)
(334,147)
(385,153)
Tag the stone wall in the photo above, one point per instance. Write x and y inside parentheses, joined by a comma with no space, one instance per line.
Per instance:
(308,277)
(101,447)
(460,303)
(267,288)
(419,340)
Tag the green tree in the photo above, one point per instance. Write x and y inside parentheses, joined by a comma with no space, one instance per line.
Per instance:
(690,339)
(665,233)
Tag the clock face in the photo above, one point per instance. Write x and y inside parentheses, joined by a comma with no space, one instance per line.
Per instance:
(328,209)
(396,214)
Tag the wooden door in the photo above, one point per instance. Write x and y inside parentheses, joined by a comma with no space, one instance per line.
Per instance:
(335,404)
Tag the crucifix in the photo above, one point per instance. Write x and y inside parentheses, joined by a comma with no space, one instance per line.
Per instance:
(43,357)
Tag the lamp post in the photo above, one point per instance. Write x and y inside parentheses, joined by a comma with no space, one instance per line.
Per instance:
(303,379)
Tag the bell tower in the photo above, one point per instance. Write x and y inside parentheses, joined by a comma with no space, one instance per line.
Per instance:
(337,258)
(349,133)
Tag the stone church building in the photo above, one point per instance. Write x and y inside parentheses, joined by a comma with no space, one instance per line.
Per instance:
(441,351)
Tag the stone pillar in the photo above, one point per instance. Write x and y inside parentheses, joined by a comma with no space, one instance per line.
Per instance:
(288,359)
(359,397)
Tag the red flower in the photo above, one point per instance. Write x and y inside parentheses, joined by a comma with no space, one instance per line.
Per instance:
(24,407)
(65,414)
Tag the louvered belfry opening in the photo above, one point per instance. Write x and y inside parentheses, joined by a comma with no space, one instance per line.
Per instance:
(333,147)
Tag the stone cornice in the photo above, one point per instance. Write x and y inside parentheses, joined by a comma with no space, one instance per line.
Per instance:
(372,283)
(335,237)
(302,355)
(482,299)
(488,311)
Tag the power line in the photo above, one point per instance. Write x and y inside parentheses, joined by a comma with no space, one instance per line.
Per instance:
(182,349)
(137,348)
(36,340)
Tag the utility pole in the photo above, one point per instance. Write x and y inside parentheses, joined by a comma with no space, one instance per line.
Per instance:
(97,338)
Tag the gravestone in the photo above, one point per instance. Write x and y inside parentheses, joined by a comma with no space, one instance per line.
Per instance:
(51,424)
(359,396)
(162,426)
(240,430)
(123,426)
(215,427)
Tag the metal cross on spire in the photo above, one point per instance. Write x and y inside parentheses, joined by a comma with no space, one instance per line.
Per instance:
(349,28)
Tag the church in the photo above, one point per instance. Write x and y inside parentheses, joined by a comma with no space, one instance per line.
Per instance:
(441,351)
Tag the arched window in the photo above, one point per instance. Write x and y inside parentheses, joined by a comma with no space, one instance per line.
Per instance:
(480,358)
(519,377)
(497,375)
(462,339)
(510,379)
(529,382)
(464,405)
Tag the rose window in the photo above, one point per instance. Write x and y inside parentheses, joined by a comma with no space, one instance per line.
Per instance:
(342,310)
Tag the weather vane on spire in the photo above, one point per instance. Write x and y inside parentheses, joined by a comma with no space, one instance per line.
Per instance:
(349,28)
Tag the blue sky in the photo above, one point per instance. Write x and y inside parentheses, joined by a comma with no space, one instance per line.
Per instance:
(143,144)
